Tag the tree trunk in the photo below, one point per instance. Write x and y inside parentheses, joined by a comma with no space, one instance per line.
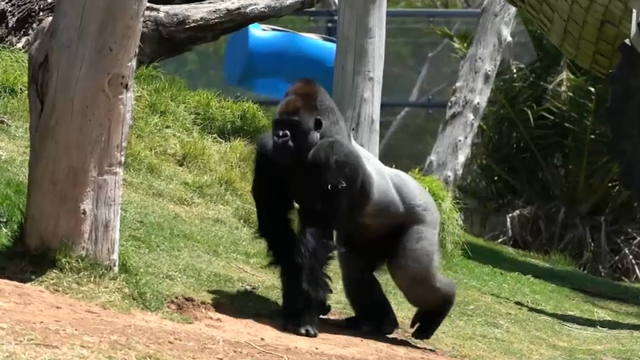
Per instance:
(357,79)
(81,69)
(471,92)
(168,30)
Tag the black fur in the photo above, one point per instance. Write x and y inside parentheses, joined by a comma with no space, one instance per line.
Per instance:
(279,179)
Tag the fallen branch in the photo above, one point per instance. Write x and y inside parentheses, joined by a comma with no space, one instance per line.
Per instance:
(265,351)
(244,270)
(168,30)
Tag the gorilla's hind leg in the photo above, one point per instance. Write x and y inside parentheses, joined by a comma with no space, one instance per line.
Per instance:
(373,312)
(414,269)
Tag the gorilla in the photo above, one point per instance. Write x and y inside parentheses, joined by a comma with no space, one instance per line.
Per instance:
(380,216)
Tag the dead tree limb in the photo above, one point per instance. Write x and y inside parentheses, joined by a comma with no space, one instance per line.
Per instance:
(471,92)
(415,92)
(168,30)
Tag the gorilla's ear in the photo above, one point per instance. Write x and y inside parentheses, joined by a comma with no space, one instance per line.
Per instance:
(317,124)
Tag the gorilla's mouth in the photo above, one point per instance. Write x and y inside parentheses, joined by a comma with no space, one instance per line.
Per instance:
(282,154)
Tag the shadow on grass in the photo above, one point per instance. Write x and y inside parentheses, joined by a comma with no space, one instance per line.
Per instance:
(19,265)
(572,279)
(582,321)
(246,304)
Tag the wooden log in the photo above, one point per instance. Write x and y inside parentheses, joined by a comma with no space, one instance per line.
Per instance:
(168,30)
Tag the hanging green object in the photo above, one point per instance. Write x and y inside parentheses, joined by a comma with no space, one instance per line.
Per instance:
(586,31)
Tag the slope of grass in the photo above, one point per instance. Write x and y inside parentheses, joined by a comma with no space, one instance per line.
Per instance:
(187,230)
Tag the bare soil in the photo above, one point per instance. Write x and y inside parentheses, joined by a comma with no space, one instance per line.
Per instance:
(36,324)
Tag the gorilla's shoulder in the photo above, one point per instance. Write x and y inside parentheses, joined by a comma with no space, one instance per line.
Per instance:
(332,149)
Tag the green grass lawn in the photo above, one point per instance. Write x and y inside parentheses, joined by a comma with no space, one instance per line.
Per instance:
(188,230)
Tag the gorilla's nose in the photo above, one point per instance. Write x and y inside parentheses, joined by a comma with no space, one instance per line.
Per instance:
(282,136)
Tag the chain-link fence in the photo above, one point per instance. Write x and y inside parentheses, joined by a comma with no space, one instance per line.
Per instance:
(421,67)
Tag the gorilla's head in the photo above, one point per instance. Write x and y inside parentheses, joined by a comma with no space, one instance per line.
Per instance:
(295,130)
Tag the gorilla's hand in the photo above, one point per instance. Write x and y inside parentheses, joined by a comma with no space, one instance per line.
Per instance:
(427,325)
(306,326)
(325,309)
(380,327)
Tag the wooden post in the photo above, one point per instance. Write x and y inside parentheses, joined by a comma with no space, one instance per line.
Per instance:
(471,92)
(81,69)
(357,79)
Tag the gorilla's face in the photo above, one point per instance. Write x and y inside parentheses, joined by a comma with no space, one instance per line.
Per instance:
(294,137)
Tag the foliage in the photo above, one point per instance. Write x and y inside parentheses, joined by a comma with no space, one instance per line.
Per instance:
(461,42)
(187,229)
(542,157)
(451,227)
(209,111)
(14,78)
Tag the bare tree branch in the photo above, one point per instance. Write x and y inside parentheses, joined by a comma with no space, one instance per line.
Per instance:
(415,92)
(403,114)
(168,30)
(475,80)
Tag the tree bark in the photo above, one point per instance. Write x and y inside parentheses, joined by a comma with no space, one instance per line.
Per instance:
(359,64)
(168,30)
(471,92)
(81,69)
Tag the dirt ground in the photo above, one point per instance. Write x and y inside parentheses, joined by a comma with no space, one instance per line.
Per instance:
(36,324)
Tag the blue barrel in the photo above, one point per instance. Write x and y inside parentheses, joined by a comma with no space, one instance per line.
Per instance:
(266,60)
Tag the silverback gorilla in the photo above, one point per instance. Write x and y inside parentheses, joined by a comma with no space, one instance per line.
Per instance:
(379,214)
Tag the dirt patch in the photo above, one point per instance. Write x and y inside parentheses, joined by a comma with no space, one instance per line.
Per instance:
(188,306)
(37,324)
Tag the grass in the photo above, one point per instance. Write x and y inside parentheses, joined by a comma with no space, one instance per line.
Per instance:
(187,230)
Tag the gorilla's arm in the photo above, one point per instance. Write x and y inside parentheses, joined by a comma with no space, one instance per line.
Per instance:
(274,203)
(301,260)
(415,268)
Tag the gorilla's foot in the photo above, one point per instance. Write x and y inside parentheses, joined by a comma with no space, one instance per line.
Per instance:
(379,327)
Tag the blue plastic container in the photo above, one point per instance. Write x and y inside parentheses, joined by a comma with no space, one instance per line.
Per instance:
(266,60)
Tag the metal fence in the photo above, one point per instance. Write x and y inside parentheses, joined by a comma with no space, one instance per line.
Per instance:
(420,70)
(401,23)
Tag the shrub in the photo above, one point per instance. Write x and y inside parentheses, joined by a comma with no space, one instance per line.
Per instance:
(451,226)
(542,158)
(13,65)
(212,113)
